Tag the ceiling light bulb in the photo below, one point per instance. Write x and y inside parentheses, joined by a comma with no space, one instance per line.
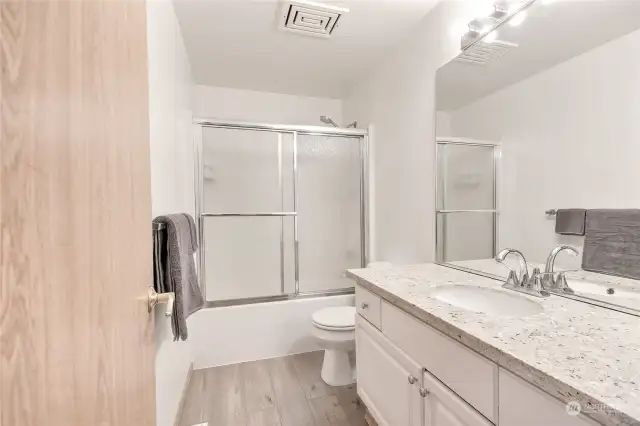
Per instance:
(491,37)
(518,19)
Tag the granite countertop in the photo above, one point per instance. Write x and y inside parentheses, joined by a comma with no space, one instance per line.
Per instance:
(572,350)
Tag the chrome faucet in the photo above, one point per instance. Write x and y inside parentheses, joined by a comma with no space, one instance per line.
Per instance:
(521,281)
(558,283)
(523,275)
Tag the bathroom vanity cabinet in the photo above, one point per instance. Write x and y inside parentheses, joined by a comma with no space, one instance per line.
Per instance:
(409,374)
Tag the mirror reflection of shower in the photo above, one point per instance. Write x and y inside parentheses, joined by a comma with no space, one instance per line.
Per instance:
(328,120)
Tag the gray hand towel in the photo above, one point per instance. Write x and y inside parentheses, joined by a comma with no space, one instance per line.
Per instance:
(612,242)
(175,270)
(570,221)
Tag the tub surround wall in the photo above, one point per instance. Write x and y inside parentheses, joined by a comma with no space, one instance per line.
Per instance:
(572,351)
(234,334)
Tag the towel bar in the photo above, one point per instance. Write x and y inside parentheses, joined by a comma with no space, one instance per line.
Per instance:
(157,226)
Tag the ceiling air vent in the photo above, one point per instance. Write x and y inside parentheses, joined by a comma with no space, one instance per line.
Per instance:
(482,52)
(311,19)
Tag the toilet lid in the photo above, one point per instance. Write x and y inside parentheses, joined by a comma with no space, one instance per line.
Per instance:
(339,317)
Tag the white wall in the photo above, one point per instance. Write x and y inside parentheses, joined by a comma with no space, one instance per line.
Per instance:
(171,178)
(569,138)
(263,107)
(398,99)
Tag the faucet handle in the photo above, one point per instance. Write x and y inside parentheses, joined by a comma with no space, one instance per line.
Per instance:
(535,282)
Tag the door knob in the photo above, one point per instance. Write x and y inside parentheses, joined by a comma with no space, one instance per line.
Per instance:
(424,392)
(364,305)
(161,298)
(412,380)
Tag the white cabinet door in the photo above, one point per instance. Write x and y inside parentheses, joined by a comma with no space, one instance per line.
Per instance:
(384,375)
(442,407)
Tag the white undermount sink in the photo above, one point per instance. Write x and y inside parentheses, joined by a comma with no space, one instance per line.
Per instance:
(486,300)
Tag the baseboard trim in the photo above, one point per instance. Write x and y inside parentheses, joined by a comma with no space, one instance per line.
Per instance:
(184,396)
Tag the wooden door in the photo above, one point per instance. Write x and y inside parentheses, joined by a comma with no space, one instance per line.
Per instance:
(443,407)
(384,378)
(76,341)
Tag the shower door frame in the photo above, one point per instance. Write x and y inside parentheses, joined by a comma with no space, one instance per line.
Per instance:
(440,240)
(280,129)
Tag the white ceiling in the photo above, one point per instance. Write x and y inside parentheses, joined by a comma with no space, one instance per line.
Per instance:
(552,33)
(238,43)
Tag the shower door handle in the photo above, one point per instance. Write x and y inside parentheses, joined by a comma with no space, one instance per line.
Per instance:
(155,298)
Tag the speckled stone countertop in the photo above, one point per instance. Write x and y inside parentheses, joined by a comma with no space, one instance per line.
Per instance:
(572,350)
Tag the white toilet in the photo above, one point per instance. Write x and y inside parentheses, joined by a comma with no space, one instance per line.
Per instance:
(335,330)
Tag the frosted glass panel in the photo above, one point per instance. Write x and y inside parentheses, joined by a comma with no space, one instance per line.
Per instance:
(241,171)
(465,177)
(242,257)
(328,211)
(465,236)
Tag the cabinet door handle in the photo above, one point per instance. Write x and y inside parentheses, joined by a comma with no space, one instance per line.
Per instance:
(424,392)
(364,305)
(412,380)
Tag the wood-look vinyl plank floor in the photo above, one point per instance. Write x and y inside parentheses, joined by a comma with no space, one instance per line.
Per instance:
(284,391)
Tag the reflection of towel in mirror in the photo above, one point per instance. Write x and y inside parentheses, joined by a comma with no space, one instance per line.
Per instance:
(174,268)
(612,242)
(570,221)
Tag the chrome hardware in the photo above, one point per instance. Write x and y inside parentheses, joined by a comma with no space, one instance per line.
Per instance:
(424,392)
(155,298)
(364,305)
(523,275)
(560,282)
(521,281)
(412,380)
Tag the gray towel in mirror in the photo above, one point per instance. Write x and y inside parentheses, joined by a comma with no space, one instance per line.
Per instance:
(570,221)
(612,242)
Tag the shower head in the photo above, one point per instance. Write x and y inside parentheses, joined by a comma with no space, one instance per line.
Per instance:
(327,120)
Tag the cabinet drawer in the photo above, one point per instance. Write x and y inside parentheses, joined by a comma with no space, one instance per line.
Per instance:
(368,305)
(471,376)
(521,404)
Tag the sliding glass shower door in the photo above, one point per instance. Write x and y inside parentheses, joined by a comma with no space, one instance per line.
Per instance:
(466,215)
(329,210)
(247,213)
(280,212)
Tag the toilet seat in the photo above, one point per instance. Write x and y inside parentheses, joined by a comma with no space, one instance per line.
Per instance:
(339,318)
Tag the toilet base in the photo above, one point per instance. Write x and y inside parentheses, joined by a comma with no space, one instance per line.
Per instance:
(336,368)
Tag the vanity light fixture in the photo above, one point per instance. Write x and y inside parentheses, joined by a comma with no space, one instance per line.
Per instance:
(490,17)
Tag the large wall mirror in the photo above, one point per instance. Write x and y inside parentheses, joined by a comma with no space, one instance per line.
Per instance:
(542,114)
